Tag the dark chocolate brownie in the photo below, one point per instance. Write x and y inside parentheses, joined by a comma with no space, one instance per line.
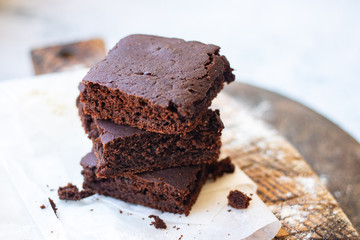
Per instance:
(238,200)
(172,190)
(122,148)
(158,84)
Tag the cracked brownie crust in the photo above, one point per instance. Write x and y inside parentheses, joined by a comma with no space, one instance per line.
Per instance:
(154,83)
(123,149)
(172,190)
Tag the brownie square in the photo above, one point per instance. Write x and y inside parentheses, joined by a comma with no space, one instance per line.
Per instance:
(154,83)
(121,148)
(172,190)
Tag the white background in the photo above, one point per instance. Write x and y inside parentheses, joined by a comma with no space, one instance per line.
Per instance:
(307,50)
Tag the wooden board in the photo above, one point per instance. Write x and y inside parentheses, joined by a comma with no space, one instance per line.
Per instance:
(304,212)
(63,57)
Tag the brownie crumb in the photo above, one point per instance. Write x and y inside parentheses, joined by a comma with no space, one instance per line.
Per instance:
(221,167)
(158,223)
(229,210)
(180,237)
(53,206)
(71,192)
(238,199)
(120,211)
(42,206)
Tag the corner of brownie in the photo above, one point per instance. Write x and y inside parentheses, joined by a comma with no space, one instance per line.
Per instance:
(172,190)
(154,83)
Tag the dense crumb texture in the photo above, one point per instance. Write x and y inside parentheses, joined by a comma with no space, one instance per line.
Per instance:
(158,223)
(53,206)
(154,83)
(86,120)
(172,190)
(238,200)
(221,167)
(71,192)
(123,149)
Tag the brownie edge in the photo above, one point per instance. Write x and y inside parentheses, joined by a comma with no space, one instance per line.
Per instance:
(172,190)
(154,83)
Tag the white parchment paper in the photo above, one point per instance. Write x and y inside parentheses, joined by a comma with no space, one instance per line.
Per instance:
(41,144)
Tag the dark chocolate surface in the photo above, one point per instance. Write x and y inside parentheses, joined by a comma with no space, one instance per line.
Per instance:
(110,130)
(157,84)
(179,177)
(161,70)
(89,160)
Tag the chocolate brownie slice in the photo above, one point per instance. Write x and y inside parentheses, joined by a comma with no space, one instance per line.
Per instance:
(172,190)
(122,148)
(154,83)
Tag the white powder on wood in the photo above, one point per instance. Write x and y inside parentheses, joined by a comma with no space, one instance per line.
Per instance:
(242,128)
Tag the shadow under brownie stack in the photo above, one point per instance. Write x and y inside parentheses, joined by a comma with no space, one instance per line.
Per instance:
(146,109)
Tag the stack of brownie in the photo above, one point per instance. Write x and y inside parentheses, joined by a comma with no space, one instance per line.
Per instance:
(146,109)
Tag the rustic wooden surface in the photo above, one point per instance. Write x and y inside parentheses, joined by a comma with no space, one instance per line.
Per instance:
(293,192)
(286,183)
(331,152)
(63,57)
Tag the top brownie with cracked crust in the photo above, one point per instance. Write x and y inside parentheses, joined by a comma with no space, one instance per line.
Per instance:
(155,83)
